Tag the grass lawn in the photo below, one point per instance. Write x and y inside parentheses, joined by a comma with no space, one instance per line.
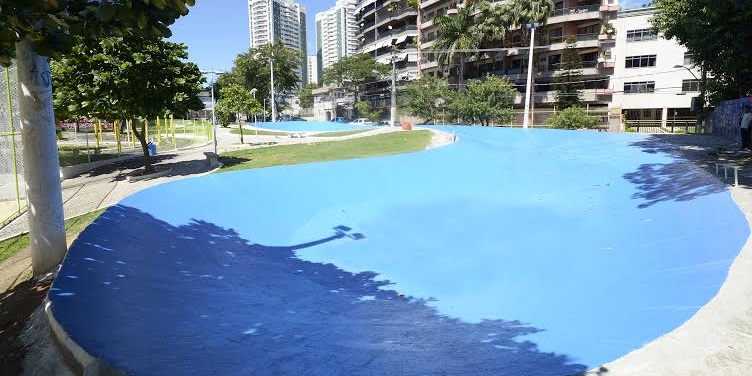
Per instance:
(341,133)
(73,227)
(371,146)
(251,132)
(71,155)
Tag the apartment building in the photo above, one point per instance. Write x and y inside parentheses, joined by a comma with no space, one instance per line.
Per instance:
(336,33)
(269,20)
(654,79)
(585,20)
(313,71)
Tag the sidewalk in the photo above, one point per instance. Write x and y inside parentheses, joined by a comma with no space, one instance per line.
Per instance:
(107,185)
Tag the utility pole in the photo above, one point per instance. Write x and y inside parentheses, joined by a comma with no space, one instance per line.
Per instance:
(214,104)
(703,90)
(393,111)
(528,90)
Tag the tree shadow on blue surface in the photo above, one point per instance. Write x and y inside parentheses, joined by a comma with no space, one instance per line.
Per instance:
(676,181)
(680,180)
(152,298)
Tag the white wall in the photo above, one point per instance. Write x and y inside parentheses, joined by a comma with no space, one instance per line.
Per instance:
(668,80)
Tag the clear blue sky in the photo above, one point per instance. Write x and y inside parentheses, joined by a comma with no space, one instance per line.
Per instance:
(216,31)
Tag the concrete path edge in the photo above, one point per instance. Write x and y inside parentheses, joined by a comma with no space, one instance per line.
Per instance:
(80,362)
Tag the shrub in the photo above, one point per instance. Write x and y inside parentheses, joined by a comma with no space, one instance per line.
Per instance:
(573,118)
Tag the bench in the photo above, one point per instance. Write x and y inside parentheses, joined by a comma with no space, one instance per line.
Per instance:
(726,167)
(212,159)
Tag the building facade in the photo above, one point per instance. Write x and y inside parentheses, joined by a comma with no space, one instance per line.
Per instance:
(336,33)
(388,31)
(654,79)
(586,21)
(313,71)
(284,20)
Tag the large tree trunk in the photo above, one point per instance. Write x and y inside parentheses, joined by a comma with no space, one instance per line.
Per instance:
(41,161)
(461,79)
(141,136)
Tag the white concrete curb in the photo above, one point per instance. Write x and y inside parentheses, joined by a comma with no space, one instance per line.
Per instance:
(80,361)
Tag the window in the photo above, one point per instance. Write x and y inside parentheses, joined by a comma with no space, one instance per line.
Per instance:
(642,61)
(516,64)
(554,61)
(639,87)
(589,59)
(690,85)
(555,35)
(689,59)
(641,35)
(587,30)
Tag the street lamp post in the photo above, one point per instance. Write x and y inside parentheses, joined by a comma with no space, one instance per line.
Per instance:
(274,105)
(214,104)
(253,92)
(393,108)
(703,86)
(528,89)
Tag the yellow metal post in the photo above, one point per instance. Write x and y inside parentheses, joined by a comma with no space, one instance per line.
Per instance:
(96,134)
(172,127)
(159,134)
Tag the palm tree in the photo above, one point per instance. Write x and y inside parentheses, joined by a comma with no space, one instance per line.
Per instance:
(455,36)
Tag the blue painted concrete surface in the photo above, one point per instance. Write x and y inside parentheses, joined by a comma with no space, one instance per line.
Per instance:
(511,252)
(304,126)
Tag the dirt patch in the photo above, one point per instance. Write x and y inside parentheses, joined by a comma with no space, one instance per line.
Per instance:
(16,305)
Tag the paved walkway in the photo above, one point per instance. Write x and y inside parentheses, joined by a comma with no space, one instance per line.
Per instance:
(107,185)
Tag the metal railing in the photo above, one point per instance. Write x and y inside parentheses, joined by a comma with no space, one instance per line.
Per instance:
(657,126)
(575,10)
(12,192)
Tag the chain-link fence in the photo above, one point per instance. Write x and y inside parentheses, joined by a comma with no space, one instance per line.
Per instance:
(92,140)
(12,190)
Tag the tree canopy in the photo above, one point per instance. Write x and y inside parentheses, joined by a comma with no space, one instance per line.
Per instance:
(52,25)
(717,34)
(126,78)
(569,83)
(251,70)
(237,99)
(573,118)
(306,96)
(425,98)
(352,72)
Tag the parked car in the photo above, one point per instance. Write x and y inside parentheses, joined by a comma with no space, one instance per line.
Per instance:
(386,123)
(297,118)
(361,121)
(340,120)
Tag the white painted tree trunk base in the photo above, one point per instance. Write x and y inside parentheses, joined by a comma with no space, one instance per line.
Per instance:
(41,165)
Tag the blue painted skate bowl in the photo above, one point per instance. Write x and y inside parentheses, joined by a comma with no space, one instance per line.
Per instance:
(509,252)
(311,126)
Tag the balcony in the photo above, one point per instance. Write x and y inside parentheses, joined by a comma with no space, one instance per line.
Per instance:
(604,92)
(583,41)
(386,18)
(580,13)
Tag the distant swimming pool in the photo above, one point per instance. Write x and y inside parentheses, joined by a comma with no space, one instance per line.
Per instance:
(303,126)
(510,252)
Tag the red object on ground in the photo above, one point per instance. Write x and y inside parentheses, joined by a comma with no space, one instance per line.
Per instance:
(406,126)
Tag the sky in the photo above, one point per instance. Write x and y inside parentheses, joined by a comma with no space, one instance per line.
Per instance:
(216,31)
